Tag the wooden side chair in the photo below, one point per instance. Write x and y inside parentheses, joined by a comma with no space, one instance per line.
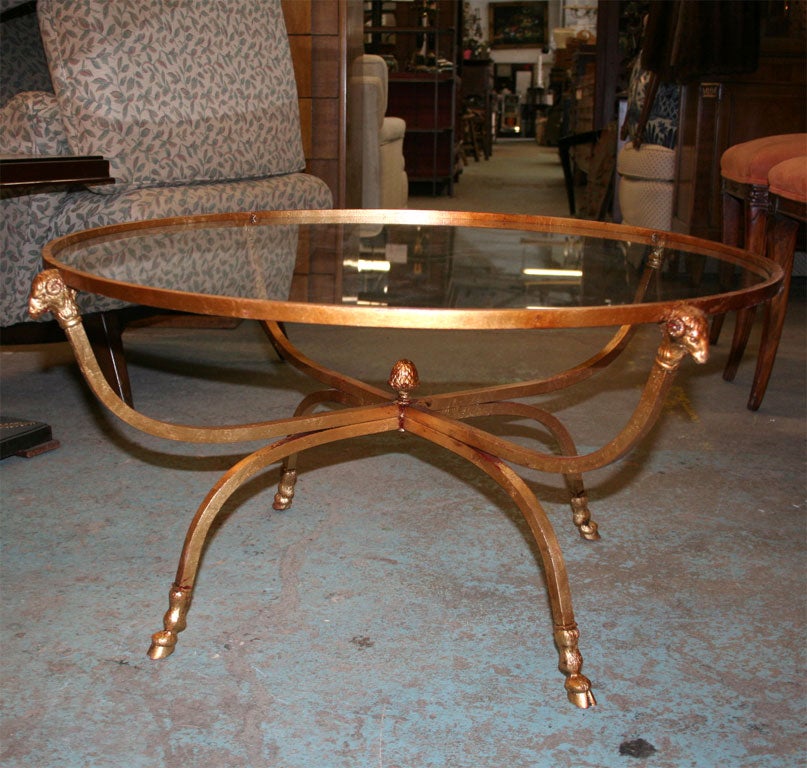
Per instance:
(787,199)
(744,169)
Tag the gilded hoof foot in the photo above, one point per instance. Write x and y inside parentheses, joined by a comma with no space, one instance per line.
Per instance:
(578,689)
(162,644)
(578,686)
(589,531)
(285,490)
(582,518)
(281,502)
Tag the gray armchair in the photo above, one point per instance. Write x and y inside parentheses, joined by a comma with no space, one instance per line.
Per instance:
(193,104)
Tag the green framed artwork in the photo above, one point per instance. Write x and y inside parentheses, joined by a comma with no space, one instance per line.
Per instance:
(519,24)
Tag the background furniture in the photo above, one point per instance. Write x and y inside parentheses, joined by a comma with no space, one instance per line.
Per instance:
(384,180)
(426,102)
(422,48)
(646,163)
(721,111)
(744,171)
(787,191)
(764,197)
(207,120)
(478,97)
(325,38)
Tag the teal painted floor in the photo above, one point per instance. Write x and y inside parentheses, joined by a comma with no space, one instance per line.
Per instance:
(396,615)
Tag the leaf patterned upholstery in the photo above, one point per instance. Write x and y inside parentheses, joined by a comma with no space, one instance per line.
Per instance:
(189,260)
(194,104)
(175,92)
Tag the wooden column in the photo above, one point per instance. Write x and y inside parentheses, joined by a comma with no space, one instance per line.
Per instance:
(325,37)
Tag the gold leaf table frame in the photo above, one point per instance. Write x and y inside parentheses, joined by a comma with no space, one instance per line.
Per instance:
(356,408)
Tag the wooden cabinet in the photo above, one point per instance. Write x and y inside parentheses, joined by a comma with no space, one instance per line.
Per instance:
(716,115)
(428,105)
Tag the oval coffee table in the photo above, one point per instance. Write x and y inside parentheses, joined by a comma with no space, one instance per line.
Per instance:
(409,269)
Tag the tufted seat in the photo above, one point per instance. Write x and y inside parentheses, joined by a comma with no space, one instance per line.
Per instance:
(788,181)
(744,169)
(750,161)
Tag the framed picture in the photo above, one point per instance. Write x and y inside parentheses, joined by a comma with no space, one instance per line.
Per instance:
(518,25)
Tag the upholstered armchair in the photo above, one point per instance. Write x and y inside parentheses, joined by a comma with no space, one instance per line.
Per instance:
(646,163)
(193,104)
(384,180)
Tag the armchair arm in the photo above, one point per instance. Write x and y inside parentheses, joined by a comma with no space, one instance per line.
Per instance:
(30,124)
(392,129)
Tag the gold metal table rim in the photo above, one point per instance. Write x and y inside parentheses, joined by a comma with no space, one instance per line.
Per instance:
(417,317)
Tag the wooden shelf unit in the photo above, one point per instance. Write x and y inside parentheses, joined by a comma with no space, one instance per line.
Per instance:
(421,92)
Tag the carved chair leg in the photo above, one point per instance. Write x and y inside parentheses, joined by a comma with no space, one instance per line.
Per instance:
(273,339)
(732,235)
(782,248)
(756,222)
(104,330)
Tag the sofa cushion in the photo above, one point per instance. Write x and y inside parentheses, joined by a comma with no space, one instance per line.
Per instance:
(175,91)
(24,229)
(191,260)
(295,191)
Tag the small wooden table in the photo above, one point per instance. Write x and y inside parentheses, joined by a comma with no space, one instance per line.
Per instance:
(22,436)
(46,170)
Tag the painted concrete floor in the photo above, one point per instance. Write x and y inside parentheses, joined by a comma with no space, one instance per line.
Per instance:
(396,616)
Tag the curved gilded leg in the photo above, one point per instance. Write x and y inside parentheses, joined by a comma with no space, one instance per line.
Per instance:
(578,686)
(363,394)
(288,470)
(581,515)
(685,331)
(49,293)
(174,621)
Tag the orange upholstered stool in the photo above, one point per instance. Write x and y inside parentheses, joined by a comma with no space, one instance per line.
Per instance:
(744,169)
(787,198)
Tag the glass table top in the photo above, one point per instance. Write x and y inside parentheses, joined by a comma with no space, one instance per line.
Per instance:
(409,269)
